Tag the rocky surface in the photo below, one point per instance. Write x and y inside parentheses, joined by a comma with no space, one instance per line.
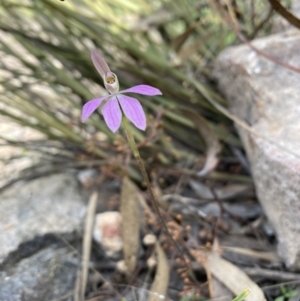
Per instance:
(266,96)
(38,220)
(32,212)
(41,233)
(47,275)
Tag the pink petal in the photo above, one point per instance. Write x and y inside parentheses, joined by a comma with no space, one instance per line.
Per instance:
(112,114)
(89,108)
(99,63)
(133,111)
(143,89)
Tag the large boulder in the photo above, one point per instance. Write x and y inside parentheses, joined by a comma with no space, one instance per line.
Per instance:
(266,96)
(33,213)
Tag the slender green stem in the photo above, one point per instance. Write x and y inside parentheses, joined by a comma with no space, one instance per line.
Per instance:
(137,156)
(242,295)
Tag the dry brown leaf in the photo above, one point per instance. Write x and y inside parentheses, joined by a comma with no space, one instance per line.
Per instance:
(161,280)
(233,277)
(223,193)
(130,223)
(211,141)
(220,291)
(267,256)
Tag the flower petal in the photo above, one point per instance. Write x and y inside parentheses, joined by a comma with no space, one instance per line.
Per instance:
(89,108)
(112,114)
(143,89)
(99,63)
(133,111)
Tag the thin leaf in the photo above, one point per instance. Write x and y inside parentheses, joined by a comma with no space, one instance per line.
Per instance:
(233,277)
(130,223)
(160,284)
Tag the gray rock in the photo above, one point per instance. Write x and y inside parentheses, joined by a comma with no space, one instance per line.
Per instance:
(32,213)
(267,97)
(47,275)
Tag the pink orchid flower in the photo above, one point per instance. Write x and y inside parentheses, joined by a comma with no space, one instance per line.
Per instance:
(116,102)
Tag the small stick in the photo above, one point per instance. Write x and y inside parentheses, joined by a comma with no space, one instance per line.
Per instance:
(271,274)
(87,242)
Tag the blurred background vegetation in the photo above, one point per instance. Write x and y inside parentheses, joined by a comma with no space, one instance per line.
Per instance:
(47,75)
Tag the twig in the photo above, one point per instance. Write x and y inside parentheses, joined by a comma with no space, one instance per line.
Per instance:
(267,256)
(261,24)
(153,136)
(215,175)
(87,242)
(76,293)
(271,274)
(66,296)
(285,13)
(234,25)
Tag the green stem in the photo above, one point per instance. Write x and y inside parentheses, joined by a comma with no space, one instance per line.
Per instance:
(137,156)
(242,295)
